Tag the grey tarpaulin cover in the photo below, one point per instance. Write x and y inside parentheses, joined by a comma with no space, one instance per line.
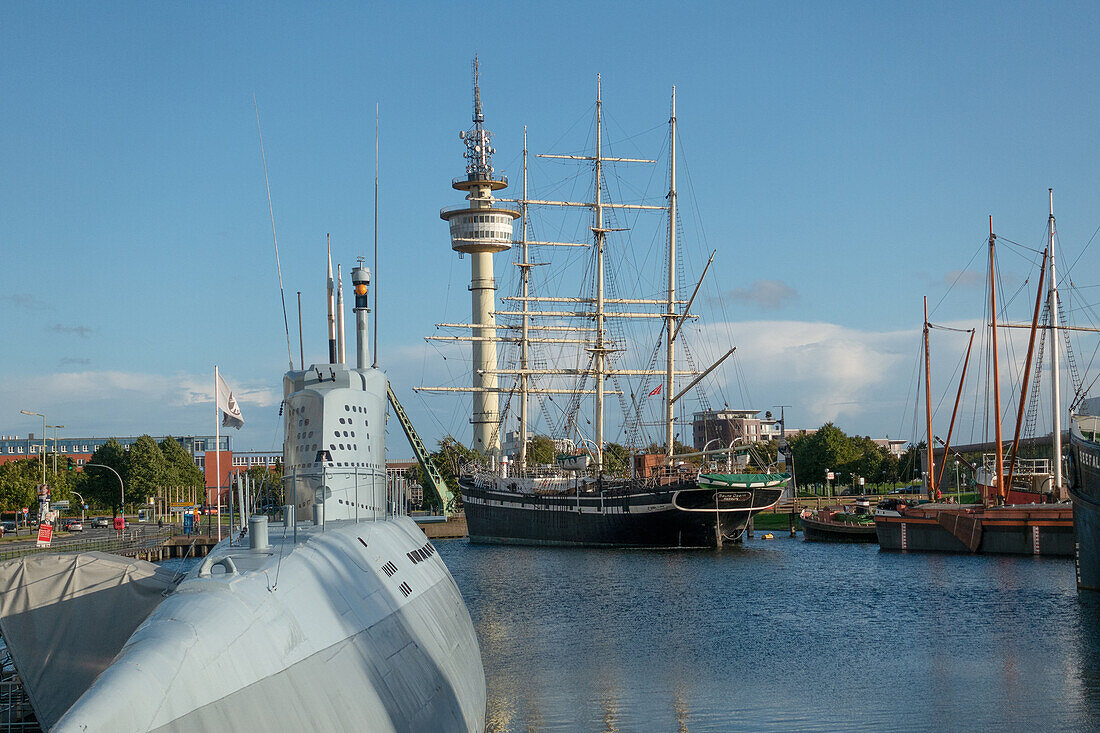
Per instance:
(65,617)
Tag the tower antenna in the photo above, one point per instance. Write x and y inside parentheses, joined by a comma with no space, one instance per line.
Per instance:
(274,239)
(478,116)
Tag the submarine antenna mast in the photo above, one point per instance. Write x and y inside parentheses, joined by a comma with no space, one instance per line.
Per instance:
(332,353)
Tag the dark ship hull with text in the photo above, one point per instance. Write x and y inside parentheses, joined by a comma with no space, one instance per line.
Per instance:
(1085,492)
(623,513)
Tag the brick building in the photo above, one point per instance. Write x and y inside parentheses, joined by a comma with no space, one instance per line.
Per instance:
(724,426)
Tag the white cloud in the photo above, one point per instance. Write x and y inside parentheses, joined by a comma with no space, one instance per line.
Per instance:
(964,279)
(82,331)
(97,403)
(765,294)
(25,301)
(827,371)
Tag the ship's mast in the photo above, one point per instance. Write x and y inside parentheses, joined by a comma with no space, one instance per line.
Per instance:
(475,240)
(998,469)
(670,316)
(525,276)
(931,481)
(1055,385)
(600,233)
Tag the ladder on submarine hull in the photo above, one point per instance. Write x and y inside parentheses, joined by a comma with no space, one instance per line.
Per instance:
(435,478)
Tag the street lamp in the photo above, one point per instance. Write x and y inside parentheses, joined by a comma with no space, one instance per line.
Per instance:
(121,488)
(82,503)
(27,412)
(55,427)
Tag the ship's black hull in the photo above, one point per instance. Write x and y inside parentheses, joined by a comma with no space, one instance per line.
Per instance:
(664,516)
(1086,511)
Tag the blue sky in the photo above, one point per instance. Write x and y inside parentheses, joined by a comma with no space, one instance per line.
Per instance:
(843,157)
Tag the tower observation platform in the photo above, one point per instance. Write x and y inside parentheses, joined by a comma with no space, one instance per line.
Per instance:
(481,229)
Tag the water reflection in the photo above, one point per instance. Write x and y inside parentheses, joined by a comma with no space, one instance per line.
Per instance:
(776,636)
(680,706)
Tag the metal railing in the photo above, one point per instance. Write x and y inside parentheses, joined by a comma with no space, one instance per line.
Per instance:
(362,485)
(16,713)
(131,540)
(1023,467)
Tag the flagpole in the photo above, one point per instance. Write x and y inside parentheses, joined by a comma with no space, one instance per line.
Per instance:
(218,451)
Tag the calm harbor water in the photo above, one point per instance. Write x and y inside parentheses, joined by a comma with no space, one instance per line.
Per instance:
(779,635)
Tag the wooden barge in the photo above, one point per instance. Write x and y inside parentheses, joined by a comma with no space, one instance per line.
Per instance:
(1026,529)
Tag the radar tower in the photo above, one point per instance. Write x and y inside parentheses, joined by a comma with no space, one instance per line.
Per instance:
(481,229)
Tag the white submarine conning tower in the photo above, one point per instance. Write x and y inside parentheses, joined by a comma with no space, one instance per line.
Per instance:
(481,230)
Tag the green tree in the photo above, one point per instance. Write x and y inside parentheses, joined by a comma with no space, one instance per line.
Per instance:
(146,468)
(870,459)
(180,468)
(616,459)
(909,465)
(826,449)
(449,459)
(541,450)
(102,485)
(17,484)
(267,488)
(891,467)
(677,448)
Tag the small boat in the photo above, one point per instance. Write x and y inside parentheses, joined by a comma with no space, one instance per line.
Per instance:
(578,462)
(837,524)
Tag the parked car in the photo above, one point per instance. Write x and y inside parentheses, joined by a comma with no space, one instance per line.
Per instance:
(8,526)
(101,523)
(914,489)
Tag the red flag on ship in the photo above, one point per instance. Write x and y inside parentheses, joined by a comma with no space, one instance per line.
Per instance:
(656,390)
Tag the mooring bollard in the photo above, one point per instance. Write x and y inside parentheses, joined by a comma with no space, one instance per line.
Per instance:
(793,531)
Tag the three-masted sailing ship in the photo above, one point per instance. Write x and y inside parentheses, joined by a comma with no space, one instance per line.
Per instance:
(576,501)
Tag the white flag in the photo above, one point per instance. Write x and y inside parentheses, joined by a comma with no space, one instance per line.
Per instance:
(231,411)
